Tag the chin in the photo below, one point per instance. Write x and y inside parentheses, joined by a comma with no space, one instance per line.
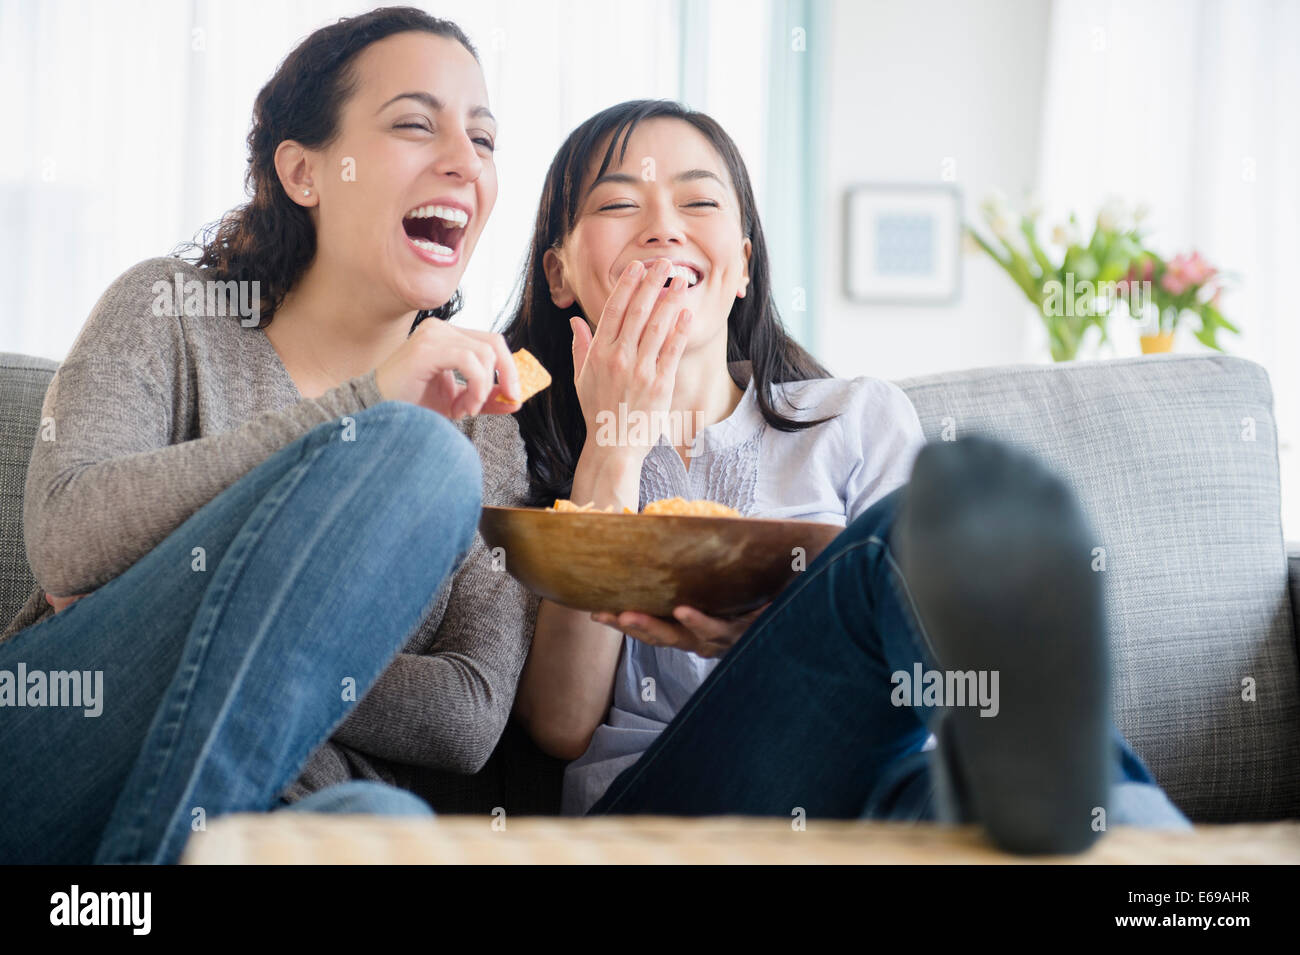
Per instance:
(421,294)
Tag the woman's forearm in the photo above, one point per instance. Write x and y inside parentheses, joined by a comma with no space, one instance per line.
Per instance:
(567,685)
(568,681)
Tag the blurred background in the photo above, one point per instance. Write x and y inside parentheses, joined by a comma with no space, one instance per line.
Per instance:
(874,130)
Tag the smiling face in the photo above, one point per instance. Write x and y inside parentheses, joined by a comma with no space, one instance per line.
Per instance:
(401,196)
(671,197)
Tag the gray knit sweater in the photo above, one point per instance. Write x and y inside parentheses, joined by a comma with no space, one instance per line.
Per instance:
(156,415)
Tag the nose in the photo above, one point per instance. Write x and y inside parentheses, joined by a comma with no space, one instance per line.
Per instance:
(457,157)
(663,226)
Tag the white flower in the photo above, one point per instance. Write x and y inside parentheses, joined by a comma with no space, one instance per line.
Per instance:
(994,205)
(1033,209)
(1140,212)
(1114,216)
(1065,234)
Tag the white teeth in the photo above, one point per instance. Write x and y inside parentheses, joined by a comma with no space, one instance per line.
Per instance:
(433,247)
(456,218)
(453,216)
(689,274)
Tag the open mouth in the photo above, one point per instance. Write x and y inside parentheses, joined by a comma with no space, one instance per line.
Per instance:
(436,229)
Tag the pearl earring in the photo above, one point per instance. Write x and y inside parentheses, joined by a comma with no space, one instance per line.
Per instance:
(306,192)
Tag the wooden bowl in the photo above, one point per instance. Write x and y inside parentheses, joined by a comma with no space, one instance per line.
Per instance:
(652,563)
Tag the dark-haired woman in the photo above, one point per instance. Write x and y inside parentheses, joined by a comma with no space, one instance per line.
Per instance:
(241,519)
(647,294)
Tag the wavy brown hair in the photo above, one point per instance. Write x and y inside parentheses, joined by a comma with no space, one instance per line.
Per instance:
(270,239)
(551,423)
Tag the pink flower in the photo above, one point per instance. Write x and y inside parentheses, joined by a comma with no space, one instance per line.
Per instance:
(1199,271)
(1148,270)
(1187,271)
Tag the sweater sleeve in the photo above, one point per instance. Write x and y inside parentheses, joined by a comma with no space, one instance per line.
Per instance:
(446,707)
(884,435)
(106,484)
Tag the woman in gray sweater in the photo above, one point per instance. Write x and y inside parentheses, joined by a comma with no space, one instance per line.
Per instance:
(260,579)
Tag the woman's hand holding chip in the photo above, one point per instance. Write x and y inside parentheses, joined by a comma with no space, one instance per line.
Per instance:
(422,370)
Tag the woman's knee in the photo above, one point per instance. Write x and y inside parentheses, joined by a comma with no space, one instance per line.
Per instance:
(416,445)
(415,464)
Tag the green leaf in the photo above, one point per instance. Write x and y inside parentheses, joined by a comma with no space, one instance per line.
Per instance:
(1085,267)
(1206,336)
(984,244)
(1045,266)
(1009,265)
(1217,318)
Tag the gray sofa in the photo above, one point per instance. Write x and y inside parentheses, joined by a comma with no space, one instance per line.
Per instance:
(1175,460)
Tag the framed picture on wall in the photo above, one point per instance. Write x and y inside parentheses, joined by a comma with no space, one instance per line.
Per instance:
(902,243)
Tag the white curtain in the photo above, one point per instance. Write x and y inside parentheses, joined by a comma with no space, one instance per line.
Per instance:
(1192,107)
(755,66)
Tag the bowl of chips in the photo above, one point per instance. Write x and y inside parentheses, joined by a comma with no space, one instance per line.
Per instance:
(675,552)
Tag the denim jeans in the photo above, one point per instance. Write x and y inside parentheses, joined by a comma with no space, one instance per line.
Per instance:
(362,796)
(225,668)
(798,714)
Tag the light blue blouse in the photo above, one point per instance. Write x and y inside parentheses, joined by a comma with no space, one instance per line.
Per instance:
(830,473)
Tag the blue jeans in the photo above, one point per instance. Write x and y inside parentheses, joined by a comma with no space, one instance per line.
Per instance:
(221,678)
(798,714)
(362,796)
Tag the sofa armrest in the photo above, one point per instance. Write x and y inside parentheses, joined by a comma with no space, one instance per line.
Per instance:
(1293,578)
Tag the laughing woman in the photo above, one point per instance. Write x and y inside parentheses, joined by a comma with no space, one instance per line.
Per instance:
(248,530)
(652,295)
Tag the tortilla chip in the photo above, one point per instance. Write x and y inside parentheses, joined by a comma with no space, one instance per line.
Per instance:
(668,506)
(680,507)
(568,507)
(532,376)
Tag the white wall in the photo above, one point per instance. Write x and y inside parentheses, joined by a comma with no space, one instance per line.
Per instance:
(910,84)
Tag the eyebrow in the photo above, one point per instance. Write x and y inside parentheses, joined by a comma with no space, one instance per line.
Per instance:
(691,175)
(434,104)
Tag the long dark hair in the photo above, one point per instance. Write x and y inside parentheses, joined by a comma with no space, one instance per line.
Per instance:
(551,423)
(271,239)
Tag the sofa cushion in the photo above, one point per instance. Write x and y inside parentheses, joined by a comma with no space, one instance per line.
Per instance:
(1175,460)
(23,381)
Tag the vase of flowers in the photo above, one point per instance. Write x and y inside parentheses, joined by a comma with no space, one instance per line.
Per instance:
(1177,288)
(1077,284)
(1071,284)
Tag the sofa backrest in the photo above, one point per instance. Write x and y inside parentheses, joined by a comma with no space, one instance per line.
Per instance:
(1175,460)
(23,381)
